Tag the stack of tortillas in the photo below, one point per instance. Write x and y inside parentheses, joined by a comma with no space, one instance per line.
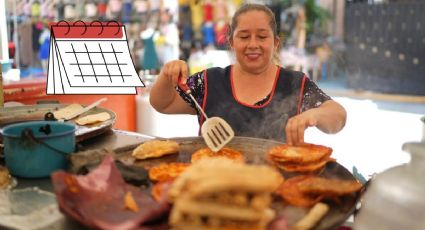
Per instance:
(93,118)
(84,120)
(67,111)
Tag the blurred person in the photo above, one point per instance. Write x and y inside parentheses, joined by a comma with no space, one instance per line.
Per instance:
(256,96)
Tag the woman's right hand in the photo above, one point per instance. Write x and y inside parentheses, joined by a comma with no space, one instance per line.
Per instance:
(173,69)
(163,96)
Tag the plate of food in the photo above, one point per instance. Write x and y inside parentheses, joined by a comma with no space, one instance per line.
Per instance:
(89,124)
(312,191)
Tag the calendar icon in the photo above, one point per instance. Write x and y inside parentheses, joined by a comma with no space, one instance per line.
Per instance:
(90,59)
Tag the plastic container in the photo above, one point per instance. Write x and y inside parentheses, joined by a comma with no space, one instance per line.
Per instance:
(153,123)
(37,148)
(396,197)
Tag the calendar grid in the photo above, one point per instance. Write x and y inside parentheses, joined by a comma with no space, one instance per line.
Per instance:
(76,59)
(91,63)
(104,61)
(116,58)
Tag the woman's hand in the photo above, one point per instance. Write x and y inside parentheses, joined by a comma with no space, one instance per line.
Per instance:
(172,70)
(298,124)
(163,96)
(329,117)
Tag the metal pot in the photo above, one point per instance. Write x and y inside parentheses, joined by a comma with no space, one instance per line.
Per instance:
(396,197)
(35,149)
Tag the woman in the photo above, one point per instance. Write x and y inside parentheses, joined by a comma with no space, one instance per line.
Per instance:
(255,96)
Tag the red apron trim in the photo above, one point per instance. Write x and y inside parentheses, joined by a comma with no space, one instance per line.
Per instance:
(255,106)
(204,101)
(301,95)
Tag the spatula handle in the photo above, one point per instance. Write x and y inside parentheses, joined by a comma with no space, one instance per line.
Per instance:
(183,86)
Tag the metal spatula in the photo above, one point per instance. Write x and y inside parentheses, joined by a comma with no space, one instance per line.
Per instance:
(215,131)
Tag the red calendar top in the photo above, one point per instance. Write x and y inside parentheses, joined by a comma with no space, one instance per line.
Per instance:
(80,29)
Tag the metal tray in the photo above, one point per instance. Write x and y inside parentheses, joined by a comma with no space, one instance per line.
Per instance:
(9,115)
(254,150)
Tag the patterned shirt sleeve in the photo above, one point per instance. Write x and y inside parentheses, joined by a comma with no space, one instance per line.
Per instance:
(196,85)
(313,96)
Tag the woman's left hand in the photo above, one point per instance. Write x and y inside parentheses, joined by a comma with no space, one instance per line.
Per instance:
(329,117)
(297,125)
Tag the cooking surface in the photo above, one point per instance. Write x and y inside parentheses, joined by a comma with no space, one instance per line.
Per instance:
(254,151)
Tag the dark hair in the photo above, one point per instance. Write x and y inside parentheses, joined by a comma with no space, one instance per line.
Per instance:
(248,8)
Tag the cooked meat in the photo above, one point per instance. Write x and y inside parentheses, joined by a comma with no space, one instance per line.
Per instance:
(97,199)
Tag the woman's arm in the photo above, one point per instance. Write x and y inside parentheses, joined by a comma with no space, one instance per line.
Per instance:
(163,96)
(329,117)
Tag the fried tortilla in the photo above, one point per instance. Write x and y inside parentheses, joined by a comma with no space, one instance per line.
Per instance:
(5,178)
(189,214)
(155,148)
(316,213)
(217,175)
(293,195)
(305,168)
(66,111)
(93,118)
(328,187)
(225,152)
(218,193)
(307,190)
(303,153)
(305,158)
(167,171)
(160,189)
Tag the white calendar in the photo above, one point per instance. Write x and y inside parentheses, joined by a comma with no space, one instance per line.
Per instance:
(90,58)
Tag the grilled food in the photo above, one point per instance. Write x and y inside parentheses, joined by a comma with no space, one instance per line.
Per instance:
(291,193)
(302,158)
(93,118)
(160,189)
(307,190)
(155,148)
(225,152)
(310,167)
(66,111)
(316,213)
(329,187)
(237,196)
(5,178)
(167,171)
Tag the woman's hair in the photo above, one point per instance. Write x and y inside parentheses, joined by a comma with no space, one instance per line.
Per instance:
(254,7)
(248,8)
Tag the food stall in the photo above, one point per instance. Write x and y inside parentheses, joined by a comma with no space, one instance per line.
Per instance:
(115,154)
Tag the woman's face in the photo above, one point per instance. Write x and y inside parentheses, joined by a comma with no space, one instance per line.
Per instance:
(253,41)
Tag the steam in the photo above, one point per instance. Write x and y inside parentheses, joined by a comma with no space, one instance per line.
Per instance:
(271,125)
